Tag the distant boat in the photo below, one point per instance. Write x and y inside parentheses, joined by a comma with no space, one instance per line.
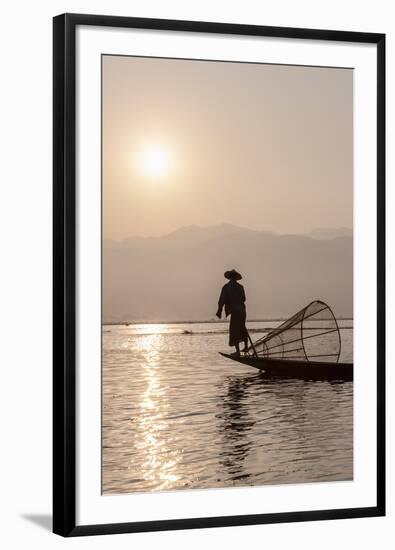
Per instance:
(187,332)
(307,345)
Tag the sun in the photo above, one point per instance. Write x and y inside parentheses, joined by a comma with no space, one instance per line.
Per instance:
(154,161)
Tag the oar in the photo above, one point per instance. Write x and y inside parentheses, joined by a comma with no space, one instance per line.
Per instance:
(252,343)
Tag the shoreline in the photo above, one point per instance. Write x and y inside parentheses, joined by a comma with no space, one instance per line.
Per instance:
(206,322)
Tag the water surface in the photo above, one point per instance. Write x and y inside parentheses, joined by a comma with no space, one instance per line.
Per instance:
(178,415)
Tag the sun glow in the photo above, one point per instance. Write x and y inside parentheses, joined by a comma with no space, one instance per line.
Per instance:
(154,161)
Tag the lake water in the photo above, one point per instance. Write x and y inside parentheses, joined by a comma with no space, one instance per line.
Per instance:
(178,415)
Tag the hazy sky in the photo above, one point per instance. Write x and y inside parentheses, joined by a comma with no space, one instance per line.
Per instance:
(193,142)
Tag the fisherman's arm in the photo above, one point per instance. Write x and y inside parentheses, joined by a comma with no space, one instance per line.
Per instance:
(221,303)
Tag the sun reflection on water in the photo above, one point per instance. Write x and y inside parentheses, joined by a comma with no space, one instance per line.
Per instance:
(160,462)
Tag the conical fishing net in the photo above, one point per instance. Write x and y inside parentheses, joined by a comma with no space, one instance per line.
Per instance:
(312,334)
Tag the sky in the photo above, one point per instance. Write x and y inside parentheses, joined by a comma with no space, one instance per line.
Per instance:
(268,147)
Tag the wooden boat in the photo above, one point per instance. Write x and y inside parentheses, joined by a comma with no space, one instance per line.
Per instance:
(308,345)
(288,368)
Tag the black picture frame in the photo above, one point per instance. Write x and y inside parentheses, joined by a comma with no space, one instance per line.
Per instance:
(64,273)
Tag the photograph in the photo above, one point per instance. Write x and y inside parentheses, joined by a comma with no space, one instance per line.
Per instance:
(226,274)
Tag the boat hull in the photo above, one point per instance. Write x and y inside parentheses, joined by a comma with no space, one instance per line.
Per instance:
(286,368)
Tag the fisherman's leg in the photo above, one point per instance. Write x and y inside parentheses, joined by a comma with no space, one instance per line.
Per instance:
(237,345)
(245,344)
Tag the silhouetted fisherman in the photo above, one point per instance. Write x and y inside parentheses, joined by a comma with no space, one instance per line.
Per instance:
(233,299)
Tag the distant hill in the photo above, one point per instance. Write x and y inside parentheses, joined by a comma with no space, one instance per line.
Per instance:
(321,233)
(179,276)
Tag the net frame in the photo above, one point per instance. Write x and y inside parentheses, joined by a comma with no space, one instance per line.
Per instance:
(294,332)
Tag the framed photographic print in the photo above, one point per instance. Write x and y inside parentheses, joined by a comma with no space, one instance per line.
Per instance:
(219,274)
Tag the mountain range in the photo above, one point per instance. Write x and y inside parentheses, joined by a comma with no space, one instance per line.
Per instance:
(178,276)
